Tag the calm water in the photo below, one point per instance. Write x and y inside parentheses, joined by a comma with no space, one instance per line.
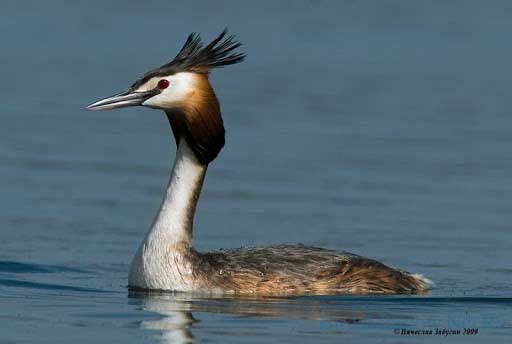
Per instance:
(381,128)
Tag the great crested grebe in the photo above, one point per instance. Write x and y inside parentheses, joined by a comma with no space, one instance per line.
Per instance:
(166,259)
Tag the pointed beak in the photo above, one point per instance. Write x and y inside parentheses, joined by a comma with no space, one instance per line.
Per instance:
(123,99)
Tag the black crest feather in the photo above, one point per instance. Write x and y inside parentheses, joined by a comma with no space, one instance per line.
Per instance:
(219,52)
(193,57)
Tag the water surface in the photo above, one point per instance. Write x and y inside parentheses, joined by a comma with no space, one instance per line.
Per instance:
(380,128)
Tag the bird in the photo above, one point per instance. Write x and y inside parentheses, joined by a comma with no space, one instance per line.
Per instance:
(166,259)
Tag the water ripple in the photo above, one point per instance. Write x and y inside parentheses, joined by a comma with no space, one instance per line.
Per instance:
(46,286)
(15,267)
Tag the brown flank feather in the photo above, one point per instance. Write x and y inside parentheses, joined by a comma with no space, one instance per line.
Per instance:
(297,270)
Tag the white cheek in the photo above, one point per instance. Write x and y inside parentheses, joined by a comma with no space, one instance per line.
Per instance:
(181,86)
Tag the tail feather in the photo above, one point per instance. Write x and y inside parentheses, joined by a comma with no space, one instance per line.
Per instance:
(367,276)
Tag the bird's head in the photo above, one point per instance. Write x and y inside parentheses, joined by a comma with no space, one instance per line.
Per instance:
(181,88)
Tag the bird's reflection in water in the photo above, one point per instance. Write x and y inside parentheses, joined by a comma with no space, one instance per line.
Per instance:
(175,324)
(177,320)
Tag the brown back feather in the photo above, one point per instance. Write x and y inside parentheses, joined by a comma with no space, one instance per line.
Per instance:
(294,270)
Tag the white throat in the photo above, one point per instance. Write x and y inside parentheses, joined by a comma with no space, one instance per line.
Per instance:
(175,218)
(170,235)
(176,215)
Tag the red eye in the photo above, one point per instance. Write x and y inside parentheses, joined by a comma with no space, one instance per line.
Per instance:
(162,84)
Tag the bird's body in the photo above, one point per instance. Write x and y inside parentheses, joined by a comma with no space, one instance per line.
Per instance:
(281,270)
(166,259)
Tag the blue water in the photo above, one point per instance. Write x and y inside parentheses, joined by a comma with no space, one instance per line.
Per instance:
(380,128)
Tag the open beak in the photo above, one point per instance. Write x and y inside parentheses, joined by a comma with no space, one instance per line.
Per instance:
(123,99)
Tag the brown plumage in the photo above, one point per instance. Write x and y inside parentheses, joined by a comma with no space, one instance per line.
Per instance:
(199,121)
(297,270)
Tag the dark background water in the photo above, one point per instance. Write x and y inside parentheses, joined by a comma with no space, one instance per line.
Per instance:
(379,127)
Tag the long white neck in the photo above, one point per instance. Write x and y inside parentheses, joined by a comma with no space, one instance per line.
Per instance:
(161,261)
(174,221)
